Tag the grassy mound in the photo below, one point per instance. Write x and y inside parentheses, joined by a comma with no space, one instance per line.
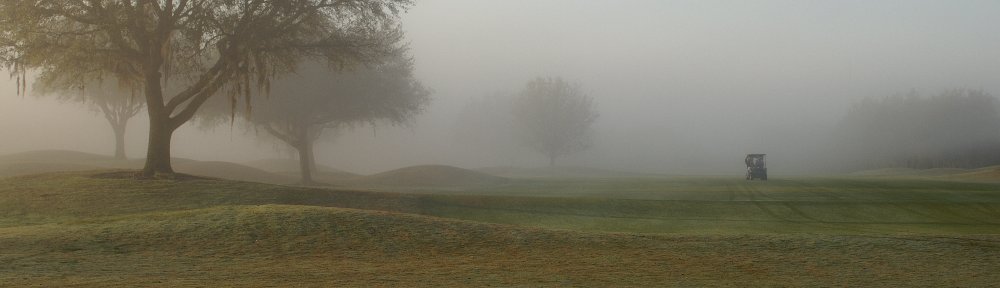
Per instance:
(431,176)
(290,166)
(991,173)
(231,171)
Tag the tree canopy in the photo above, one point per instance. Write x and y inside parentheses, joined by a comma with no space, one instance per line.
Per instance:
(207,45)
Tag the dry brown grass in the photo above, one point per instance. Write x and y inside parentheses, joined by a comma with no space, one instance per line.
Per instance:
(282,246)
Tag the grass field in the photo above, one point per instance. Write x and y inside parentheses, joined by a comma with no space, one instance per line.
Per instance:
(693,205)
(101,228)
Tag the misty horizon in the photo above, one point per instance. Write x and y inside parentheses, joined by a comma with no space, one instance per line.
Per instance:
(682,87)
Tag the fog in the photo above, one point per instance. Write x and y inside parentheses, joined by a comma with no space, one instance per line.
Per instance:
(682,87)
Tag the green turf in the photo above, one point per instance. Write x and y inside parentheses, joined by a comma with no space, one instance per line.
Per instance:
(75,229)
(646,205)
(728,205)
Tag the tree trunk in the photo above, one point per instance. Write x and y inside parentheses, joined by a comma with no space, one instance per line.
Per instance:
(119,140)
(158,150)
(160,128)
(306,161)
(312,159)
(305,147)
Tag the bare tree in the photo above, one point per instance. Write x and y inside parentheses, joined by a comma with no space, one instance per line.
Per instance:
(206,45)
(117,102)
(554,117)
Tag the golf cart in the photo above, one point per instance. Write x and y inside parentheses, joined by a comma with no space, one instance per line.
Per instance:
(756,167)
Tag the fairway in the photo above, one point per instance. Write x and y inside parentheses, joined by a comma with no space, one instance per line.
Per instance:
(104,229)
(715,205)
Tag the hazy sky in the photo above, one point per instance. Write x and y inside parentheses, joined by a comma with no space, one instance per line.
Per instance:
(682,86)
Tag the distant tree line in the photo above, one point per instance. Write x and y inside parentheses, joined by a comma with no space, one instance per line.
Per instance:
(958,128)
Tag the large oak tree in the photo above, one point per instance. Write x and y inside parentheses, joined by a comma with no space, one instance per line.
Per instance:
(202,46)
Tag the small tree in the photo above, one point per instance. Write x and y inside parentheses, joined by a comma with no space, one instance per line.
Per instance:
(554,117)
(117,102)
